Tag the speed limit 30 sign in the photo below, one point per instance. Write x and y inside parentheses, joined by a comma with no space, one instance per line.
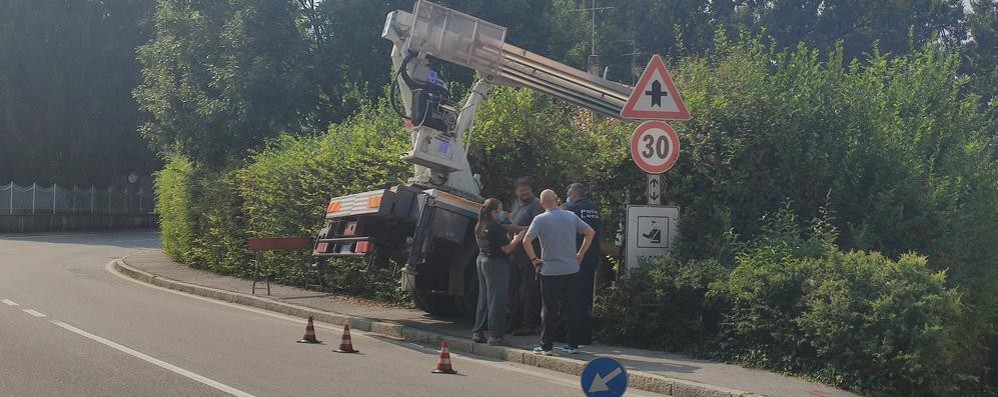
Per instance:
(654,147)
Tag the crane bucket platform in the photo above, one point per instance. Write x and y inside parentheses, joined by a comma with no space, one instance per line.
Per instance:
(480,45)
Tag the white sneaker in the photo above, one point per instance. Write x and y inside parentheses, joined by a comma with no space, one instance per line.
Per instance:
(539,350)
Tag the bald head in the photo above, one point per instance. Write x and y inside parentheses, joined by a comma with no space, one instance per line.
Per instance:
(549,199)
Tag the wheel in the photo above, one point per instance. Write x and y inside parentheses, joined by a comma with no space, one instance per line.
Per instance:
(426,300)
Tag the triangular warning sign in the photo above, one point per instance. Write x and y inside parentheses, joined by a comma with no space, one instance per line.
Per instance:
(655,97)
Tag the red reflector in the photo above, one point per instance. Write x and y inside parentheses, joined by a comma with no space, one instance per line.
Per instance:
(363,247)
(322,247)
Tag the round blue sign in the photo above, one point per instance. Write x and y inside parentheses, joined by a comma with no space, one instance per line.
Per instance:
(604,377)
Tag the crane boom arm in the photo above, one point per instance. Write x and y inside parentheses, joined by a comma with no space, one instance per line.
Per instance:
(467,41)
(524,68)
(440,132)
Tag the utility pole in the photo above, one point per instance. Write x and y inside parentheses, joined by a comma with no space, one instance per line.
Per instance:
(593,61)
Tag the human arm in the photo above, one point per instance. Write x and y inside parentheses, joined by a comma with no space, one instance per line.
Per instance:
(514,228)
(506,249)
(528,246)
(589,234)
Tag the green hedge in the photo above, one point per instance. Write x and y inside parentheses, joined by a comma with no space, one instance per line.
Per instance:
(173,205)
(795,303)
(283,189)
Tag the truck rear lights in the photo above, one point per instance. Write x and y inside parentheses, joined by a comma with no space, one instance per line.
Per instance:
(362,247)
(322,248)
(374,202)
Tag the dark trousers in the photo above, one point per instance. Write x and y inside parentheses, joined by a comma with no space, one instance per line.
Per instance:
(493,281)
(560,295)
(585,286)
(587,283)
(524,294)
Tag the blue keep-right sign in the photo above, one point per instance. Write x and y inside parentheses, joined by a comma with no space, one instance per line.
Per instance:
(604,377)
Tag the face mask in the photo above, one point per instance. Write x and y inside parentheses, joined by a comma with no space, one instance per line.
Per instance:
(568,200)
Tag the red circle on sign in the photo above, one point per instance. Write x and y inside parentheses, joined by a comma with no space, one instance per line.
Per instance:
(654,147)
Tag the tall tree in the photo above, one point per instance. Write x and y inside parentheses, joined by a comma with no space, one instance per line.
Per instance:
(66,111)
(895,26)
(981,51)
(351,61)
(219,77)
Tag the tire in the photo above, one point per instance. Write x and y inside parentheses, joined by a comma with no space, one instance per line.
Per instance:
(427,301)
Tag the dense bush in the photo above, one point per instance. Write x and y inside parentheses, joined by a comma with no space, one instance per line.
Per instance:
(282,191)
(662,306)
(173,205)
(200,218)
(795,303)
(286,187)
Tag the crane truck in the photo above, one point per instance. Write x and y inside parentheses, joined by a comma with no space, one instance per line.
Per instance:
(425,225)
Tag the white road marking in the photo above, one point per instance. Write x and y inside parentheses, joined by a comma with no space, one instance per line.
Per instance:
(540,373)
(33,313)
(31,236)
(45,236)
(9,302)
(152,360)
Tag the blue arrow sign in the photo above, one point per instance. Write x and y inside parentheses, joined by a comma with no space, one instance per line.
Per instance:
(604,377)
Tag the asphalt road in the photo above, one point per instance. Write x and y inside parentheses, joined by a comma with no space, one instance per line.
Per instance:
(69,326)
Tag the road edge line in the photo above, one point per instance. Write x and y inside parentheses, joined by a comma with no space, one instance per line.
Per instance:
(637,379)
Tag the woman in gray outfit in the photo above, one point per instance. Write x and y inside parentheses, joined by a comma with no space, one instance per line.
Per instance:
(494,247)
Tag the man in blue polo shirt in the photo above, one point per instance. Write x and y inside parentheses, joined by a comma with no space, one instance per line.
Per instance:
(559,265)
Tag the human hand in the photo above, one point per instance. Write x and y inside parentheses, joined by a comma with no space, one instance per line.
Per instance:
(578,259)
(537,262)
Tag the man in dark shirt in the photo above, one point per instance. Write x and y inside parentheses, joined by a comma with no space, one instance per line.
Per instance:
(524,286)
(578,202)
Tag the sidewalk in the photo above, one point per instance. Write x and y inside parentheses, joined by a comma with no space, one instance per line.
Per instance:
(653,371)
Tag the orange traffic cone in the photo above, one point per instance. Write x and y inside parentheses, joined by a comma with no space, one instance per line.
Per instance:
(309,333)
(346,346)
(444,367)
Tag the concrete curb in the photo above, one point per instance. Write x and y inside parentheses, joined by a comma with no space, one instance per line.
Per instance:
(636,379)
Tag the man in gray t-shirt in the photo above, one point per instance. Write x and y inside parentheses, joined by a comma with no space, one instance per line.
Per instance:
(559,264)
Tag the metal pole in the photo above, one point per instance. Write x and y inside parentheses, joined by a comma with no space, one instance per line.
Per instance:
(91,199)
(55,189)
(594,29)
(33,186)
(12,197)
(109,189)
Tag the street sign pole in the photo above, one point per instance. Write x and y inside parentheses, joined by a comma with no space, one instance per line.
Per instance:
(655,148)
(654,189)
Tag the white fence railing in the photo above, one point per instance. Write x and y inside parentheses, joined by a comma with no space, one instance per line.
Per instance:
(56,199)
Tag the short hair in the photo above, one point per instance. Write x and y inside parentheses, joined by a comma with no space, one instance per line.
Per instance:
(578,188)
(523,181)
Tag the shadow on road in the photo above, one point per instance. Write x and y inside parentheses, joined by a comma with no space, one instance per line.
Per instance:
(137,239)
